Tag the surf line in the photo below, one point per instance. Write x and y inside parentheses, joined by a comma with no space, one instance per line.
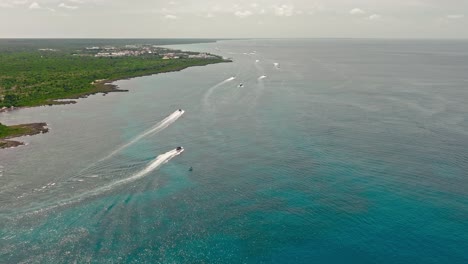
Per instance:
(155,129)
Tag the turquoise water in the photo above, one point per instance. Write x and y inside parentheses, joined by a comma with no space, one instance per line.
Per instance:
(348,151)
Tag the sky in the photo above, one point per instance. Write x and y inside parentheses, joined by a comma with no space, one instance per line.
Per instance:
(234,19)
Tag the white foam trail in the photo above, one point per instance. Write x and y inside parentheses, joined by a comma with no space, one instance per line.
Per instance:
(156,163)
(153,165)
(262,77)
(211,90)
(257,61)
(157,128)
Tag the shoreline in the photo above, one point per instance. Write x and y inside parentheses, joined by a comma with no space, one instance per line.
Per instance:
(24,130)
(103,86)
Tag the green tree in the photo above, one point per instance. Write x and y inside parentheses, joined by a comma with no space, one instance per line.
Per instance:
(10,100)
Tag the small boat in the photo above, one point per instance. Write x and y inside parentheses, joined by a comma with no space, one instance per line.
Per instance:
(241,85)
(179,149)
(191,169)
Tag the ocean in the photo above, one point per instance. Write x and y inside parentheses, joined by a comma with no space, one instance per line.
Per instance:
(302,151)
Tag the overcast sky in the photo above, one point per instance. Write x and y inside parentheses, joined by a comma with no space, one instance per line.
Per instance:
(234,18)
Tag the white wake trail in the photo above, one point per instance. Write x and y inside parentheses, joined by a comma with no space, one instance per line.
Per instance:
(213,88)
(153,165)
(156,163)
(262,77)
(156,128)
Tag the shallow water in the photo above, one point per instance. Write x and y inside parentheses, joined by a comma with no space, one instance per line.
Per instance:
(332,151)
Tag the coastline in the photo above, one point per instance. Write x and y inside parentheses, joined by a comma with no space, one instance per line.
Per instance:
(21,131)
(103,86)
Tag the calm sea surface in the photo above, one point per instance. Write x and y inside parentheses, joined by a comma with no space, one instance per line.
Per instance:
(332,151)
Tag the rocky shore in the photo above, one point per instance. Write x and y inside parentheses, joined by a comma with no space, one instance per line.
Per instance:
(20,131)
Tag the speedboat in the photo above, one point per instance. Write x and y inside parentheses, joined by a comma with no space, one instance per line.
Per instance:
(241,85)
(180,110)
(179,149)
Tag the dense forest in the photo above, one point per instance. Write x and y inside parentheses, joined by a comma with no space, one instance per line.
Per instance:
(37,72)
(31,78)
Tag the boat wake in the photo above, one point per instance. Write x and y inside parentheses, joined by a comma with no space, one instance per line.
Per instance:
(156,163)
(155,129)
(206,98)
(91,169)
(262,77)
(153,165)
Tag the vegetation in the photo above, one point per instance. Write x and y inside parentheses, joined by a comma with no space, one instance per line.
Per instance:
(7,132)
(32,78)
(71,45)
(37,72)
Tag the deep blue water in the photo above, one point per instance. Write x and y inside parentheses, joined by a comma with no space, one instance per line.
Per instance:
(348,151)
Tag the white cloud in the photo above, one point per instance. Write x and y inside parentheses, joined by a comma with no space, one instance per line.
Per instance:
(34,5)
(9,3)
(63,5)
(374,17)
(243,14)
(307,18)
(283,10)
(20,2)
(357,11)
(172,17)
(458,16)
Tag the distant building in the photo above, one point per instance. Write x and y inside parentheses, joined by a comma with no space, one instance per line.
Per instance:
(202,56)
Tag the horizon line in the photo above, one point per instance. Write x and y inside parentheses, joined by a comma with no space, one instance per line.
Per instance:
(231,38)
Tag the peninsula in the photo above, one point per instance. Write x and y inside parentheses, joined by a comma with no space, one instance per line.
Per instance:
(7,132)
(41,75)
